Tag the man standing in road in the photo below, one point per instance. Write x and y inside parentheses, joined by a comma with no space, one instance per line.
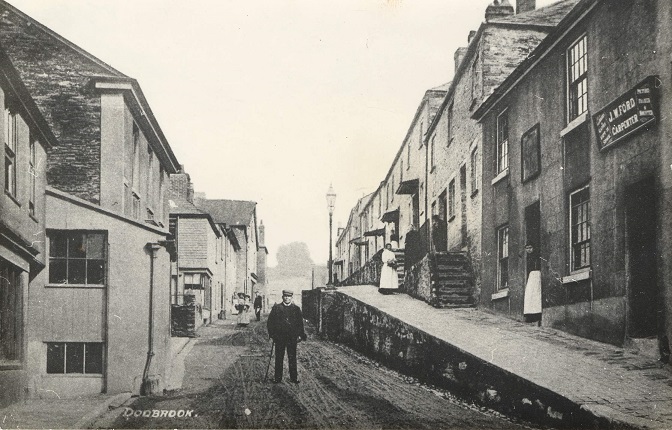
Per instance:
(257,306)
(285,327)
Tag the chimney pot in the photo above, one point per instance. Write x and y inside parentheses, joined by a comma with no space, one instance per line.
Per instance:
(523,6)
(498,9)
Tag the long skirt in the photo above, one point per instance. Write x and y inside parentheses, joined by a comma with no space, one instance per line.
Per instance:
(389,280)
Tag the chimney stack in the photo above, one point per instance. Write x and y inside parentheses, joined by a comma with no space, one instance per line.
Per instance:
(262,233)
(459,56)
(523,6)
(498,9)
(197,198)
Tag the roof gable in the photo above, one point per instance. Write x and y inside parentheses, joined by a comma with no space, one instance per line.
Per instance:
(229,212)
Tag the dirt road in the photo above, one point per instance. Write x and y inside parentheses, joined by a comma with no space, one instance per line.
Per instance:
(224,387)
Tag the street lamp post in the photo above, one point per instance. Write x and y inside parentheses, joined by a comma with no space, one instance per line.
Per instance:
(331,201)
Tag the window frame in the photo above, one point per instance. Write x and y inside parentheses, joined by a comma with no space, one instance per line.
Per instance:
(11,138)
(503,252)
(32,173)
(84,346)
(11,303)
(587,222)
(502,147)
(580,82)
(474,170)
(202,278)
(68,235)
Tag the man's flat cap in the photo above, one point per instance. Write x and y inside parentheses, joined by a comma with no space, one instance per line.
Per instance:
(287,293)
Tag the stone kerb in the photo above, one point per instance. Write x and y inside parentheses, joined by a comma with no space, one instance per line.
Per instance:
(414,352)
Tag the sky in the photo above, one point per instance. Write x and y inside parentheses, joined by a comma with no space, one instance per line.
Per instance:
(274,100)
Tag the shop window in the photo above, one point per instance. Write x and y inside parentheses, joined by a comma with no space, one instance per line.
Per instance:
(193,281)
(75,357)
(77,257)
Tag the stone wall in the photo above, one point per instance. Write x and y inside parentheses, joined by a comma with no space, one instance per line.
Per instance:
(418,280)
(416,353)
(369,274)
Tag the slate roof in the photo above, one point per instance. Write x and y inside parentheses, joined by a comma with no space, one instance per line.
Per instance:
(549,15)
(572,13)
(182,207)
(229,212)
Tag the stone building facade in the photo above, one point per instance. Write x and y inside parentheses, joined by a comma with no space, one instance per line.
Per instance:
(454,140)
(576,176)
(240,218)
(102,297)
(26,139)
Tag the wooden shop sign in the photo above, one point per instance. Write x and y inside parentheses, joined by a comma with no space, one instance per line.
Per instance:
(633,111)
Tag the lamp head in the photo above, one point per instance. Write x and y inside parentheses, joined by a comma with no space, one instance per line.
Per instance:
(331,199)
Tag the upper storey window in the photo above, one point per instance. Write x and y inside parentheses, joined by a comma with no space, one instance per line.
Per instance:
(577,78)
(502,142)
(11,144)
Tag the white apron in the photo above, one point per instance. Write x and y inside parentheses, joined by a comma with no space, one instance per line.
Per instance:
(388,274)
(532,304)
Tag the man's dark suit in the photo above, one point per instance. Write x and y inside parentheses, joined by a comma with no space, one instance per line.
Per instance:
(285,326)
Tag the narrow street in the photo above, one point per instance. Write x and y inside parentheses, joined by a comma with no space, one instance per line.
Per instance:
(224,387)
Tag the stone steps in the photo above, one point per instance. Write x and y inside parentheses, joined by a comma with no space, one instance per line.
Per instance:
(452,280)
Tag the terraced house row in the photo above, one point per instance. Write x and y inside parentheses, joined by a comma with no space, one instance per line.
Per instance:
(548,152)
(104,252)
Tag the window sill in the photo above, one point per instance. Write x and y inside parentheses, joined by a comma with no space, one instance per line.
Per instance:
(74,375)
(474,193)
(8,194)
(95,286)
(503,174)
(10,365)
(500,294)
(574,124)
(451,218)
(579,275)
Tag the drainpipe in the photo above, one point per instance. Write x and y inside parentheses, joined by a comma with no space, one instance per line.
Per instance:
(146,386)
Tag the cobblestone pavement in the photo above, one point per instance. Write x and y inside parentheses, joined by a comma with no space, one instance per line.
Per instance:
(607,380)
(224,387)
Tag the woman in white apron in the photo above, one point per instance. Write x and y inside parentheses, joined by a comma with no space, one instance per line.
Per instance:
(389,280)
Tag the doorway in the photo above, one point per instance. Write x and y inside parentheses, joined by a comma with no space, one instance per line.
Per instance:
(644,313)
